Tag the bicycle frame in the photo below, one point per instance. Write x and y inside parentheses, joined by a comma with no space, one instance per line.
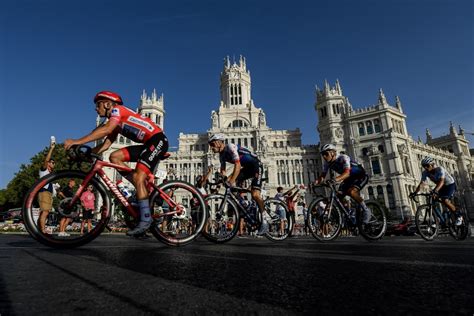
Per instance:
(237,202)
(334,198)
(434,209)
(98,169)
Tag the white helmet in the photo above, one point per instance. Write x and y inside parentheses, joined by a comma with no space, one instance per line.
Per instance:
(328,147)
(216,137)
(427,161)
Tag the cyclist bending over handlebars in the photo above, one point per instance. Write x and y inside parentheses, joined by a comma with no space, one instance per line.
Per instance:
(445,185)
(246,166)
(140,129)
(352,176)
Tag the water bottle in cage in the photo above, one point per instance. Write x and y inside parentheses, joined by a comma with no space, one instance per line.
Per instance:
(123,189)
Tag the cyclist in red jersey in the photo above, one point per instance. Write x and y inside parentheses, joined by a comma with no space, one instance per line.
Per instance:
(140,129)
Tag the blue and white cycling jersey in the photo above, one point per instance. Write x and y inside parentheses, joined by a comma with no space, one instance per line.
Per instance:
(438,173)
(342,163)
(235,153)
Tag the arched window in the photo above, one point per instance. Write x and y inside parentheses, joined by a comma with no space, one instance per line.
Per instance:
(371,193)
(237,123)
(377,126)
(370,129)
(361,129)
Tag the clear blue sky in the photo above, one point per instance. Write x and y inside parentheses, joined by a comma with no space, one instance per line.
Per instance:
(55,55)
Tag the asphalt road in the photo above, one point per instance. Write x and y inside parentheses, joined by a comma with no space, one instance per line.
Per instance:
(117,275)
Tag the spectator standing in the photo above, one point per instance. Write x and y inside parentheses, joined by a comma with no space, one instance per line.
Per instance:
(281,210)
(45,195)
(291,198)
(88,206)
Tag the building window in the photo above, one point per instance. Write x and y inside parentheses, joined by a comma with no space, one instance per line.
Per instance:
(380,195)
(371,193)
(361,129)
(381,149)
(377,126)
(365,151)
(376,166)
(391,197)
(370,129)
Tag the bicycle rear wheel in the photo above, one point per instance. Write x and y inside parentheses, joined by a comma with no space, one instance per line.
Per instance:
(324,220)
(377,225)
(72,212)
(223,219)
(427,223)
(181,228)
(279,224)
(462,231)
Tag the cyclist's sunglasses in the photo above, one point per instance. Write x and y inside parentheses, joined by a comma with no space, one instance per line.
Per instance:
(325,154)
(426,166)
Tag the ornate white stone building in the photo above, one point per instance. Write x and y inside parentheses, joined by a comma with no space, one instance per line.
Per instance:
(286,161)
(376,136)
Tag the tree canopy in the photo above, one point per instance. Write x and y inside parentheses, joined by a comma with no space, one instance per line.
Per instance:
(18,187)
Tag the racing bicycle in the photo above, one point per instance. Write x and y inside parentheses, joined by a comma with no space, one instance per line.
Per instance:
(226,210)
(178,209)
(326,216)
(432,219)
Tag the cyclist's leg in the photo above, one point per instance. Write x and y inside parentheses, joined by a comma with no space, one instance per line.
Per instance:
(120,156)
(352,187)
(257,187)
(445,194)
(147,161)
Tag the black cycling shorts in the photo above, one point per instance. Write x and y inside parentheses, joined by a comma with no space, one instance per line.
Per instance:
(149,154)
(356,182)
(253,171)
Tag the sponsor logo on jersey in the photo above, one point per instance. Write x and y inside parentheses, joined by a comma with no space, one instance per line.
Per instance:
(140,122)
(115,112)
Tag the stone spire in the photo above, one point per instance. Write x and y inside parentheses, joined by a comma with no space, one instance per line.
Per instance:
(428,135)
(398,104)
(461,131)
(326,87)
(382,99)
(338,87)
(452,130)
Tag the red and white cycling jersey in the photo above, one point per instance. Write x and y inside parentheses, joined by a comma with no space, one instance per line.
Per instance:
(132,125)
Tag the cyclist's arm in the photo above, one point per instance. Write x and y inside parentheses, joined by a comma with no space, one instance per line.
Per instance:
(439,185)
(235,173)
(320,178)
(344,175)
(96,134)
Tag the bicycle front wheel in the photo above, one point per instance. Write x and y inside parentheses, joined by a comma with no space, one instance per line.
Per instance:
(377,225)
(427,223)
(74,225)
(223,219)
(279,224)
(324,220)
(181,223)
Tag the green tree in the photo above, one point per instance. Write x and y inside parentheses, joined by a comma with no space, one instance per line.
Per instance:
(18,187)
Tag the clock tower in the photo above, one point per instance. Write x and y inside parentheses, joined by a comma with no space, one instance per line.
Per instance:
(235,84)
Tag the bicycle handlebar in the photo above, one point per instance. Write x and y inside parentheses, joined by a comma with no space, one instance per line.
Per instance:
(81,153)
